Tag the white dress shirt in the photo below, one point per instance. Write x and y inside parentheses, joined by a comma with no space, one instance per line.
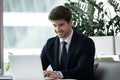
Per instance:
(68,40)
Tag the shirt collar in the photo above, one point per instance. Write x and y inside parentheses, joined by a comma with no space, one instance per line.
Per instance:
(68,39)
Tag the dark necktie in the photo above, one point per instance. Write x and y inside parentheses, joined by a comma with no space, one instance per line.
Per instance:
(64,55)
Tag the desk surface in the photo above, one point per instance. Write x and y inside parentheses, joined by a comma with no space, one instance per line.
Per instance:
(8,77)
(50,79)
(4,77)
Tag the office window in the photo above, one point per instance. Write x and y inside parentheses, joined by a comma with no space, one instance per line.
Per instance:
(26,25)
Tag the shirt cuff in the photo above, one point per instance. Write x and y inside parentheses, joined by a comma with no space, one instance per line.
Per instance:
(60,74)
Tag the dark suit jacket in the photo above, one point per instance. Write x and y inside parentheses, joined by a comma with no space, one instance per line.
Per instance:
(81,57)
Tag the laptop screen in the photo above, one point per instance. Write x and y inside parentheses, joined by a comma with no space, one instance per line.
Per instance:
(26,67)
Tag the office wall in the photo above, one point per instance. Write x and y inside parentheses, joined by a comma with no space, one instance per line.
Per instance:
(117,44)
(107,45)
(104,45)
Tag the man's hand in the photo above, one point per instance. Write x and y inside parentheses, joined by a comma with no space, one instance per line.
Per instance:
(51,74)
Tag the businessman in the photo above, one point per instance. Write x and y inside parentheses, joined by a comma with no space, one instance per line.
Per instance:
(70,53)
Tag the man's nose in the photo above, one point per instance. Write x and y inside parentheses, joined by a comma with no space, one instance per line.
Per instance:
(57,28)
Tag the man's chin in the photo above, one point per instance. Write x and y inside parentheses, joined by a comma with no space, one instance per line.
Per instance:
(60,36)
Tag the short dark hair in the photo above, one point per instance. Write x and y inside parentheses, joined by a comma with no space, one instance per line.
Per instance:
(60,12)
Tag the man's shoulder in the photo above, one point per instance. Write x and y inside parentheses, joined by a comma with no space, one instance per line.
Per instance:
(53,40)
(81,36)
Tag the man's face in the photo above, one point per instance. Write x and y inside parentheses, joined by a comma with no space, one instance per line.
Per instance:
(62,28)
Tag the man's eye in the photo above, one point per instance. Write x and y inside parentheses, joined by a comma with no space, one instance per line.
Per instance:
(54,25)
(61,24)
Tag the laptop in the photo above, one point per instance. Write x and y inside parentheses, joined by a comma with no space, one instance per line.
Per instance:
(26,67)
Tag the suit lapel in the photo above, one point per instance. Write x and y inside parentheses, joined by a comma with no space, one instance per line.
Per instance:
(71,47)
(76,39)
(56,52)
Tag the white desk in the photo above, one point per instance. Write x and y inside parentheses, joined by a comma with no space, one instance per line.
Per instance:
(4,77)
(50,79)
